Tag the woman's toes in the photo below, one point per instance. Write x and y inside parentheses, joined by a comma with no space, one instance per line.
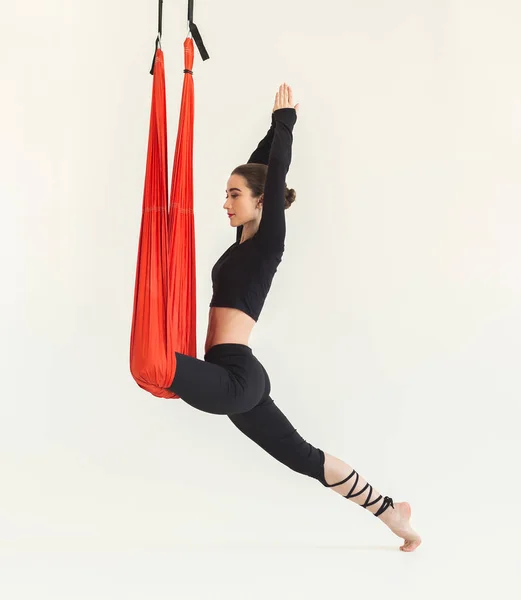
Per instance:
(410,545)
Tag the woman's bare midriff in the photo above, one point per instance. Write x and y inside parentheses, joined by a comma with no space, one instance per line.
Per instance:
(228,326)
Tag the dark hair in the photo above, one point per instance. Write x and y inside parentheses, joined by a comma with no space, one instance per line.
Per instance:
(255,175)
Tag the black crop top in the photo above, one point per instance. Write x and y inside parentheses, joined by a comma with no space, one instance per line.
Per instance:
(242,276)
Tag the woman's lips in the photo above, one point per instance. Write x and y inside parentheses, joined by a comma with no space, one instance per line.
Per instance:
(230,215)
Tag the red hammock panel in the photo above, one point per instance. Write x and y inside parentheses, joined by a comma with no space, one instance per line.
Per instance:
(164,318)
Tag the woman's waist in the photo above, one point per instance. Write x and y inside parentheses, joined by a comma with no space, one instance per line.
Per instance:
(228,325)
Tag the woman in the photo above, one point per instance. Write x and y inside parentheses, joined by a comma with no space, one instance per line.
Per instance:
(230,380)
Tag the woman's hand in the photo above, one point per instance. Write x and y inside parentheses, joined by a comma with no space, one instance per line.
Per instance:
(284,98)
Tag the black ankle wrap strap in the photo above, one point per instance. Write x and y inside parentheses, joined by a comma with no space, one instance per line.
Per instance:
(385,505)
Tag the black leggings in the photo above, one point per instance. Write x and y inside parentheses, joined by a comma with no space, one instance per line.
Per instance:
(231,381)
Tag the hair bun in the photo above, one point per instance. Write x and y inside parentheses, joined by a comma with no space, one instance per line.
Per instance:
(290,197)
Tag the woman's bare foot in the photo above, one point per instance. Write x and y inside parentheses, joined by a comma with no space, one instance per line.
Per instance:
(397,520)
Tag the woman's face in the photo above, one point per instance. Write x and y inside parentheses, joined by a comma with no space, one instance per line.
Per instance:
(240,204)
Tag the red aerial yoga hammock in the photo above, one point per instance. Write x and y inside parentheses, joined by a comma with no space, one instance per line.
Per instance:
(164,317)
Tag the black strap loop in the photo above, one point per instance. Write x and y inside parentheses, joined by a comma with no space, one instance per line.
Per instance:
(193,30)
(199,41)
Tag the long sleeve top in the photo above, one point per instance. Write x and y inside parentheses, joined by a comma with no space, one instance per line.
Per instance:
(242,276)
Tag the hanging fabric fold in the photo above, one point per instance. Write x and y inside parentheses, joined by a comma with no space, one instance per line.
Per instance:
(164,316)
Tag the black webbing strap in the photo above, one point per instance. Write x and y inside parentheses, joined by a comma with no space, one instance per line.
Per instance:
(159,34)
(193,30)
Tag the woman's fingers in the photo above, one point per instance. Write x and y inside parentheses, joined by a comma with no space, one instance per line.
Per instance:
(284,92)
(284,97)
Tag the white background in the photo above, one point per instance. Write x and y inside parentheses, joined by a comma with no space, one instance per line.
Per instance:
(391,333)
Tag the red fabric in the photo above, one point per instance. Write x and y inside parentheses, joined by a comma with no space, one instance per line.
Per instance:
(164,318)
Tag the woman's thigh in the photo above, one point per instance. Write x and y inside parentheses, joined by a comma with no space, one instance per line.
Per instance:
(230,380)
(267,426)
